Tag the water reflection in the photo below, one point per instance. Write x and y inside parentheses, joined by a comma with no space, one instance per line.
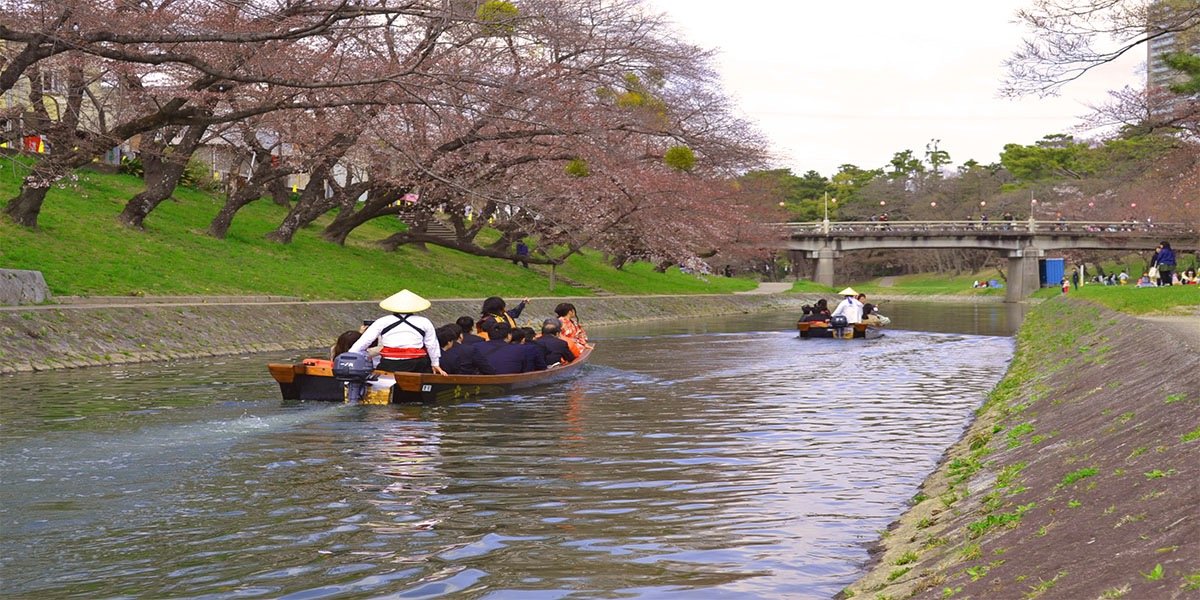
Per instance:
(714,458)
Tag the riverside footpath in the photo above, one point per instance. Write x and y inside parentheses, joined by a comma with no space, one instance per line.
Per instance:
(83,332)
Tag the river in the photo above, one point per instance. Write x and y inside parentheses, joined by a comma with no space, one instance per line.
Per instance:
(714,458)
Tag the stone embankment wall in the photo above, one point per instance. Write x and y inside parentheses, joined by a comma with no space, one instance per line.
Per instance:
(1077,479)
(55,337)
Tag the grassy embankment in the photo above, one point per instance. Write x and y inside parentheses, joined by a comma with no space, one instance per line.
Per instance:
(1176,299)
(1076,479)
(82,250)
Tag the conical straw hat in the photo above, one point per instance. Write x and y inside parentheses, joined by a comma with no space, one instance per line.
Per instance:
(848,292)
(404,302)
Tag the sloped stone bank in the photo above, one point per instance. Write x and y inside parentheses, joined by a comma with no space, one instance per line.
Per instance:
(1080,477)
(43,338)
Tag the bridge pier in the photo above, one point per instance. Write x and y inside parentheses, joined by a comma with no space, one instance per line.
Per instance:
(1023,277)
(824,271)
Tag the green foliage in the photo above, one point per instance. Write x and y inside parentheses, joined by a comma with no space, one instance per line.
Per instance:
(906,558)
(1074,476)
(680,158)
(1155,574)
(132,166)
(1053,157)
(1188,64)
(802,195)
(577,168)
(497,17)
(898,573)
(1190,436)
(993,521)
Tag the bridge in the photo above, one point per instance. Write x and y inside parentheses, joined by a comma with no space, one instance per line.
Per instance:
(1022,242)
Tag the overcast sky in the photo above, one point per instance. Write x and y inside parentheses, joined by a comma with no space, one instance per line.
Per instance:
(854,82)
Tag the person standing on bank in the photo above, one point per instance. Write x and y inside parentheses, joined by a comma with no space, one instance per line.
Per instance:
(1164,260)
(409,341)
(850,306)
(522,254)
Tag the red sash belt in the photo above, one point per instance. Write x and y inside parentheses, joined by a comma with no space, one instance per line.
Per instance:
(403,353)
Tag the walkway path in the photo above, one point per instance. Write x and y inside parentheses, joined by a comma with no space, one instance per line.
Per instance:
(770,287)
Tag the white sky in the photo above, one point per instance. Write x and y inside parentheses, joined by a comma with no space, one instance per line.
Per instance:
(832,82)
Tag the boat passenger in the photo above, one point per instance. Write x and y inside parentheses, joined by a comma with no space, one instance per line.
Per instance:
(343,343)
(872,317)
(850,306)
(459,358)
(504,357)
(821,308)
(813,315)
(467,326)
(572,331)
(409,340)
(493,311)
(554,348)
(523,337)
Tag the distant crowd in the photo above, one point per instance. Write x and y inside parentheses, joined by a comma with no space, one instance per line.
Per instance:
(404,341)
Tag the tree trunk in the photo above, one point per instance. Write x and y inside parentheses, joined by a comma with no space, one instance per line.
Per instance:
(279,192)
(378,203)
(25,207)
(219,227)
(164,166)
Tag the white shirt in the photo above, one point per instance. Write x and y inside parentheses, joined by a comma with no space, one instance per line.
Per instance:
(850,308)
(402,336)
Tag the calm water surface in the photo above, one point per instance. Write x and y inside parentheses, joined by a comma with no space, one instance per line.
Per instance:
(715,458)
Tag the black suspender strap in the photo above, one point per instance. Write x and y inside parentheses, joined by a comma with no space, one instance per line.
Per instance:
(404,320)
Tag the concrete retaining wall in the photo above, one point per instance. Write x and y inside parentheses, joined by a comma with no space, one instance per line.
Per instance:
(22,287)
(44,337)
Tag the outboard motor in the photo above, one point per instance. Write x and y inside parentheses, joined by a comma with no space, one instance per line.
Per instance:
(839,324)
(354,369)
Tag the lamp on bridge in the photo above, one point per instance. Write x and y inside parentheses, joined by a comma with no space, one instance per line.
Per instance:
(825,224)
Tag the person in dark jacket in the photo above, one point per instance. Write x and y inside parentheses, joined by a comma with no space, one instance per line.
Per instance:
(502,356)
(493,311)
(459,358)
(1164,261)
(523,338)
(554,349)
(467,325)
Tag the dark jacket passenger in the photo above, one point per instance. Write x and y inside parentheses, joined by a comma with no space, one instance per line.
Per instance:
(504,357)
(554,349)
(465,359)
(537,356)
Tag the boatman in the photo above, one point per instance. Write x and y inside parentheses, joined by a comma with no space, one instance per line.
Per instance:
(409,341)
(849,307)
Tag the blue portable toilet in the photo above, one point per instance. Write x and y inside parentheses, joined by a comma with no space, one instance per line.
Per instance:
(1052,271)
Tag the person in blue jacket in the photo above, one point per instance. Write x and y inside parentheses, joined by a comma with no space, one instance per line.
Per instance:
(504,357)
(1164,260)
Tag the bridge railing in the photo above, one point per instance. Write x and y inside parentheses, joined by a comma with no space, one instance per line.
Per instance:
(1025,226)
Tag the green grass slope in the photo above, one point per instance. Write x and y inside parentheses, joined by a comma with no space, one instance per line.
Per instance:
(82,250)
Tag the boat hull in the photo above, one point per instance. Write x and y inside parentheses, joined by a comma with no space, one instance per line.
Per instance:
(810,330)
(313,380)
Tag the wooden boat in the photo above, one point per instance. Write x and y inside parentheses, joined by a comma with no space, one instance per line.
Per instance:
(821,329)
(313,380)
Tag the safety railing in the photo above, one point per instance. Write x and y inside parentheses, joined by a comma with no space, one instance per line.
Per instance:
(1025,226)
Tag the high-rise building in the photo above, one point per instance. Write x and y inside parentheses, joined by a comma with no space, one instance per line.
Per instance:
(1183,36)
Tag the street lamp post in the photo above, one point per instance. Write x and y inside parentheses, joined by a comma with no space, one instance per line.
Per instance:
(825,223)
(1032,206)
